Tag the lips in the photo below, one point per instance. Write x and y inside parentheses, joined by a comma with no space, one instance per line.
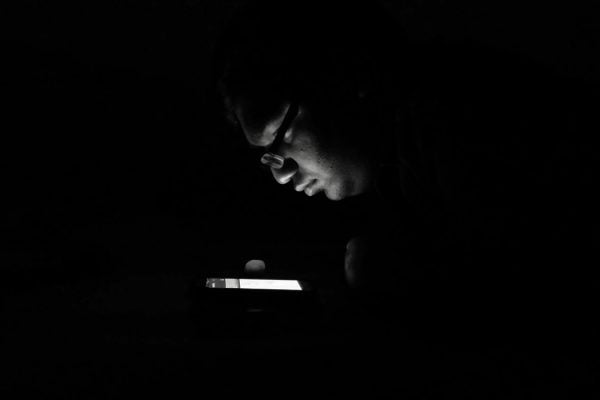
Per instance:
(311,189)
(305,185)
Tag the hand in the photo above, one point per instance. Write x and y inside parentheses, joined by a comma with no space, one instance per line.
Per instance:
(255,267)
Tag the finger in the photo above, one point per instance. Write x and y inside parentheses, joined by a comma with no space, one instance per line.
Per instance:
(255,267)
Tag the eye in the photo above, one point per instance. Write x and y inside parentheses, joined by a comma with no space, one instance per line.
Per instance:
(288,136)
(285,130)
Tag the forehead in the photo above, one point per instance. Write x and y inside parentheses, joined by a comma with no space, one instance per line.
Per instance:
(258,123)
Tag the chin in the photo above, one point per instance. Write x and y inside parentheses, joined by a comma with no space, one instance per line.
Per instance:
(336,194)
(343,189)
(335,197)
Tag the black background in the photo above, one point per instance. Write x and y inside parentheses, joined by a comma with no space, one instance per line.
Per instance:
(120,182)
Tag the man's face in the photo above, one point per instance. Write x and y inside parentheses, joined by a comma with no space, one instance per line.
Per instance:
(334,166)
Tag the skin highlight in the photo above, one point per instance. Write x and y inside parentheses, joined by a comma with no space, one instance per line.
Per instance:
(312,165)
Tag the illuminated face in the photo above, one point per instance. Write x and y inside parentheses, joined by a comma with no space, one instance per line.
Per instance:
(334,166)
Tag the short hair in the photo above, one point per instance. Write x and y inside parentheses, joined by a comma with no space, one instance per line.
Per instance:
(327,54)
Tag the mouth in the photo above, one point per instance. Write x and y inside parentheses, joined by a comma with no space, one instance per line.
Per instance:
(311,189)
(301,186)
(306,187)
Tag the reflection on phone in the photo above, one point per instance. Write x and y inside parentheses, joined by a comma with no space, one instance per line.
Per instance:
(269,284)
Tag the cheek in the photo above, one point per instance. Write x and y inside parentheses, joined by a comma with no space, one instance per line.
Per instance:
(308,154)
(317,157)
(320,163)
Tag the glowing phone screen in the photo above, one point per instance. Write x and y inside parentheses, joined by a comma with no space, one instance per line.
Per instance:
(263,284)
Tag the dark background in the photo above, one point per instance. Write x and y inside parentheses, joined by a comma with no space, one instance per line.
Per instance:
(120,182)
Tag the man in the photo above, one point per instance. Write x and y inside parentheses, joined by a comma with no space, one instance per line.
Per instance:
(478,174)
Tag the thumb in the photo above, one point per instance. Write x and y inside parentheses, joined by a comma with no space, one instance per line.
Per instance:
(255,267)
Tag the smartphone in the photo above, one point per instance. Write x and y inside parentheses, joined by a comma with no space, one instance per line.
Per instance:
(254,295)
(255,284)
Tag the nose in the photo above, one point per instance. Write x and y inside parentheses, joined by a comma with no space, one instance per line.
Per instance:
(284,174)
